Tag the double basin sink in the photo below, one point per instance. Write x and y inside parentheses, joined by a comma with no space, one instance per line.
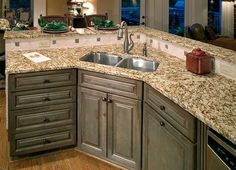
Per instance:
(117,61)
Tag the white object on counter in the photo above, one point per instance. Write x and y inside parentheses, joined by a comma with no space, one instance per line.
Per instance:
(36,57)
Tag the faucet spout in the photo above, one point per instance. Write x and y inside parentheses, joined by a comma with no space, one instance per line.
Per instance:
(131,42)
(128,42)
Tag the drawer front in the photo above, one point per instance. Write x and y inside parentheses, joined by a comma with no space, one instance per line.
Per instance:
(112,84)
(41,118)
(36,98)
(178,117)
(26,143)
(38,80)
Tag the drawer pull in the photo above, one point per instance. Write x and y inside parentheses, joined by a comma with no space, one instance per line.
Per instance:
(46,99)
(109,101)
(162,107)
(46,120)
(46,81)
(162,123)
(46,141)
(104,99)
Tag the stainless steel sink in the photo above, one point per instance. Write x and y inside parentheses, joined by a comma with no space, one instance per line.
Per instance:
(101,58)
(139,64)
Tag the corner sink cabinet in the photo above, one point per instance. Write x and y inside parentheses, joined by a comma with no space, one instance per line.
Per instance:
(120,120)
(110,118)
(41,111)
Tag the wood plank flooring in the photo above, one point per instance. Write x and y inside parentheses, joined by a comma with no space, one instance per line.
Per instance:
(3,132)
(63,160)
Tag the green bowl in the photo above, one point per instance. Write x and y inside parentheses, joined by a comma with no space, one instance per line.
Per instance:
(55,25)
(108,23)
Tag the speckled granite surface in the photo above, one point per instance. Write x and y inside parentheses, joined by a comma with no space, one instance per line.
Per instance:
(210,98)
(29,34)
(218,52)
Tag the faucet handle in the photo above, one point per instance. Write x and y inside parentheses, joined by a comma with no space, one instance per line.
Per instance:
(145,49)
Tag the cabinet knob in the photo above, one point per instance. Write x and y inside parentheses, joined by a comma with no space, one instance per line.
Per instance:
(46,99)
(162,123)
(162,107)
(109,101)
(46,81)
(104,99)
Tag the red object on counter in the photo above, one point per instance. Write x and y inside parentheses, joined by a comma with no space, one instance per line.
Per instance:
(198,62)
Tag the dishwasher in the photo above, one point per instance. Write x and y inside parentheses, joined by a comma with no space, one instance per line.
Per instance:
(221,153)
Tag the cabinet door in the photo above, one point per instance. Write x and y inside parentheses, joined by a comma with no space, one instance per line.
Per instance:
(164,148)
(124,131)
(92,122)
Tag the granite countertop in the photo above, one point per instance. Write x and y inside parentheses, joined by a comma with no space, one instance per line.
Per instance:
(210,98)
(30,34)
(218,52)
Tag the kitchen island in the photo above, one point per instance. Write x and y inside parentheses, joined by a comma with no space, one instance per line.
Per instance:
(210,98)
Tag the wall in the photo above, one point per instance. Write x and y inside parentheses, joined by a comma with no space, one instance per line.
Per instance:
(157,14)
(56,7)
(227,19)
(235,21)
(110,7)
(39,7)
(196,11)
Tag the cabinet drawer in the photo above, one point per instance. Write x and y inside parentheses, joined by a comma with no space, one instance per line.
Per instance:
(112,84)
(36,141)
(41,118)
(35,98)
(178,117)
(38,80)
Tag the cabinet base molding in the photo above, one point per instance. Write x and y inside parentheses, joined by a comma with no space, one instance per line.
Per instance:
(40,154)
(100,159)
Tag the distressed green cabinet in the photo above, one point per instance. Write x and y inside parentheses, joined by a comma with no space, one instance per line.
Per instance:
(109,121)
(41,111)
(124,130)
(92,121)
(164,148)
(169,134)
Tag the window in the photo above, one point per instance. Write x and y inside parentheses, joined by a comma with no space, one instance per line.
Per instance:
(130,12)
(214,15)
(14,4)
(176,17)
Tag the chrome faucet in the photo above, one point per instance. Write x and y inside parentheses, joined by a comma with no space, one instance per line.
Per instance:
(128,42)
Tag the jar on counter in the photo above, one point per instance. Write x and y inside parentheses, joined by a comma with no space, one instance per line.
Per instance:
(198,62)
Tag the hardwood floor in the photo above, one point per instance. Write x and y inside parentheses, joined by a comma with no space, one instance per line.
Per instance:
(3,132)
(63,160)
